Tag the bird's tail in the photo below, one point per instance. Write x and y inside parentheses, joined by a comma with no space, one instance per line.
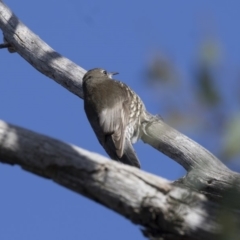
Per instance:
(129,155)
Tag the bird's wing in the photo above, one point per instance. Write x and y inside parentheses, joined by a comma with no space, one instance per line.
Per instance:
(113,121)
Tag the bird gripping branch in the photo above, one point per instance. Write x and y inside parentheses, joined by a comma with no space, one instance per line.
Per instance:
(115,113)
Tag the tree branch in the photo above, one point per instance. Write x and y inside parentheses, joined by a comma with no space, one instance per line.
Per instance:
(162,209)
(5,45)
(39,54)
(205,172)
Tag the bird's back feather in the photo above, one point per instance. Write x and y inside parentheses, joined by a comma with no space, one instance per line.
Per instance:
(107,104)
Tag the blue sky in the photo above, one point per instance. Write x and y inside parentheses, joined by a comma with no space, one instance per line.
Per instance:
(116,35)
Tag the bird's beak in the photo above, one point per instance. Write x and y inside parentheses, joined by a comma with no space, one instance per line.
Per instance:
(110,74)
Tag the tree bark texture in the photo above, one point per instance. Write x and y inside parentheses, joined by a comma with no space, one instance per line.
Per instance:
(185,209)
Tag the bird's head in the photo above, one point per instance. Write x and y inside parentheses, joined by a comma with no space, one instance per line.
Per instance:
(98,73)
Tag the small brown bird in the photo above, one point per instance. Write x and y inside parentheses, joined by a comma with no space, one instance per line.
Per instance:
(115,113)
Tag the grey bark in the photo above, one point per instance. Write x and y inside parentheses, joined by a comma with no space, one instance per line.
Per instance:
(39,54)
(161,208)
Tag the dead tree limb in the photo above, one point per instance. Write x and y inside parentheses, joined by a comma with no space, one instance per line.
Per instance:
(162,209)
(205,173)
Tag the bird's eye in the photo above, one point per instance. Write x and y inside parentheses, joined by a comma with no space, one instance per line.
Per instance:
(105,72)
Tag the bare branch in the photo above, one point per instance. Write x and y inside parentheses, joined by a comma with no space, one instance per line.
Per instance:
(40,55)
(205,172)
(5,45)
(178,146)
(162,209)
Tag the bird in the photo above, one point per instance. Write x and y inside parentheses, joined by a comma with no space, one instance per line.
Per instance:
(115,113)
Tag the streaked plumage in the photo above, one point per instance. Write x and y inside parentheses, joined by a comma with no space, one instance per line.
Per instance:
(115,113)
